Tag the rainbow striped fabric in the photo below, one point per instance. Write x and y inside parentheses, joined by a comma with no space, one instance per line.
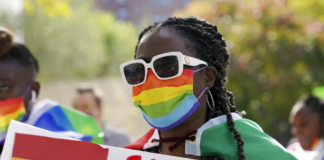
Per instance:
(166,103)
(51,116)
(214,139)
(315,144)
(10,109)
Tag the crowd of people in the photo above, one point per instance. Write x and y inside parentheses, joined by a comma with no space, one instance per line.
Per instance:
(177,77)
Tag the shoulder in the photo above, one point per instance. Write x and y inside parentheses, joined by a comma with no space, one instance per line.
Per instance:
(256,142)
(253,136)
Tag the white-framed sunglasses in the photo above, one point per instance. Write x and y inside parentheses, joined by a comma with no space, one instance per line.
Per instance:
(164,66)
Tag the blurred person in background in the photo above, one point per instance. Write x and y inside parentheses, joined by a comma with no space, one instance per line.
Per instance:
(307,119)
(89,100)
(19,90)
(178,78)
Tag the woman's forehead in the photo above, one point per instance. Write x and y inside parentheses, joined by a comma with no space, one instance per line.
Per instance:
(11,70)
(159,41)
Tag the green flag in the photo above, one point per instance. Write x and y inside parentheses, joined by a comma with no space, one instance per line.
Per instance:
(219,140)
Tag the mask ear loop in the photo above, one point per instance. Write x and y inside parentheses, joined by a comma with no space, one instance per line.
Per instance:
(197,70)
(207,88)
(27,89)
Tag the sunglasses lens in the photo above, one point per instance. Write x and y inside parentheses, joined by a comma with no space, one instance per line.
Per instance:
(166,67)
(134,73)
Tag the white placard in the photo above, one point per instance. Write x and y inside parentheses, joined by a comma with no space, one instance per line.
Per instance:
(114,152)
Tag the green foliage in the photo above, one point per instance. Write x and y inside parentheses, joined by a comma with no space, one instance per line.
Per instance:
(277,52)
(80,45)
(319,92)
(52,8)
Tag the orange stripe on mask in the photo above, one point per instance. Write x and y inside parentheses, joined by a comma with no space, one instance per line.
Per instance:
(153,82)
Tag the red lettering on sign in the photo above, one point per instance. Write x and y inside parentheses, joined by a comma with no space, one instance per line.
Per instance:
(135,157)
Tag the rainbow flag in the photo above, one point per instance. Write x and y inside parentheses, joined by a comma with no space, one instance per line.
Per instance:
(11,109)
(51,116)
(31,147)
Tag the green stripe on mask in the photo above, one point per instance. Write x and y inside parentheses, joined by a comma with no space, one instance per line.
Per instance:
(159,109)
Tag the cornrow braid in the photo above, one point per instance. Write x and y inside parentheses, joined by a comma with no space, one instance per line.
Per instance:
(209,45)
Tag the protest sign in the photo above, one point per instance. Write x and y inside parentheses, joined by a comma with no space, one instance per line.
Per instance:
(31,143)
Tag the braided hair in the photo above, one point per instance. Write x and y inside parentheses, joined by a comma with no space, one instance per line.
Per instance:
(210,46)
(10,51)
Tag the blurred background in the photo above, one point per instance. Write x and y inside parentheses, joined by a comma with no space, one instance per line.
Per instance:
(276,48)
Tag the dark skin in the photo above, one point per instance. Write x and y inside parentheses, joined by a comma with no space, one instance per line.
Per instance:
(307,127)
(159,41)
(14,81)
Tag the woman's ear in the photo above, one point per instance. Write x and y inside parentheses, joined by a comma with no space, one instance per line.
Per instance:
(36,87)
(211,74)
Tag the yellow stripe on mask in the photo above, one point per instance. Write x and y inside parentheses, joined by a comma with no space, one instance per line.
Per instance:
(5,120)
(158,95)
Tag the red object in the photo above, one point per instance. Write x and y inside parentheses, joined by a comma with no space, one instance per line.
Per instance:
(139,144)
(44,148)
(135,157)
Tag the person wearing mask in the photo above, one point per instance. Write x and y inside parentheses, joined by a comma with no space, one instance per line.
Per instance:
(178,78)
(19,89)
(89,100)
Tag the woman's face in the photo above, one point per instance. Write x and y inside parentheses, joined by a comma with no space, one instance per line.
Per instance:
(159,41)
(14,81)
(306,127)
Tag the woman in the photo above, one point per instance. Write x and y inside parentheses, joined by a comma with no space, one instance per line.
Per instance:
(18,72)
(307,118)
(178,83)
(19,89)
(18,84)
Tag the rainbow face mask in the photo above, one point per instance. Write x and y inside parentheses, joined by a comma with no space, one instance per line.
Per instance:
(14,109)
(166,103)
(11,109)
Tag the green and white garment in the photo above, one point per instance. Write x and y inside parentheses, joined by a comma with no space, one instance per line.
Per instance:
(215,139)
